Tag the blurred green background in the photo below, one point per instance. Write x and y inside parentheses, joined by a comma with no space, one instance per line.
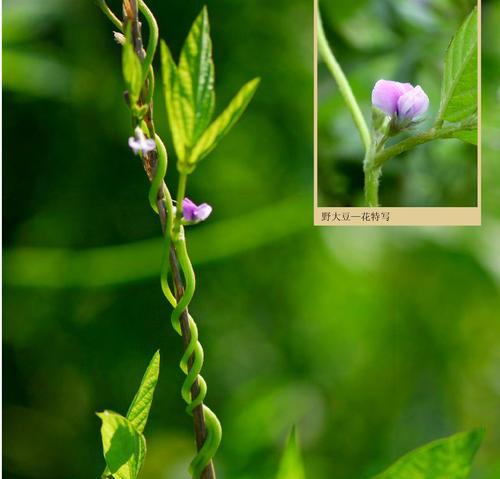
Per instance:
(373,341)
(403,40)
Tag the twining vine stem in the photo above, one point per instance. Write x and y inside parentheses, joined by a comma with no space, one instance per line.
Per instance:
(155,164)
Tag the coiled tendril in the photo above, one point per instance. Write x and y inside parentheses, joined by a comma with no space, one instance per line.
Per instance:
(193,348)
(174,237)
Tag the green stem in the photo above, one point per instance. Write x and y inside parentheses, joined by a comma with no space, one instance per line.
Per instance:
(372,177)
(176,260)
(344,87)
(194,388)
(150,87)
(181,193)
(152,39)
(413,141)
(112,17)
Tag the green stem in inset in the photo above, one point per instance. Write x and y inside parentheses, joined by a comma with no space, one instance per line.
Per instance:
(344,87)
(372,177)
(421,138)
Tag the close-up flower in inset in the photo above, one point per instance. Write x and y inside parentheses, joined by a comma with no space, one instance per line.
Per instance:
(140,143)
(401,100)
(193,212)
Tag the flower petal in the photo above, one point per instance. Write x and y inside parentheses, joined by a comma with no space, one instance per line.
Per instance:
(148,145)
(134,144)
(404,87)
(385,95)
(413,103)
(203,211)
(188,209)
(421,101)
(140,143)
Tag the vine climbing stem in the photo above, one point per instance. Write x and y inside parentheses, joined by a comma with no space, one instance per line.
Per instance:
(172,248)
(155,164)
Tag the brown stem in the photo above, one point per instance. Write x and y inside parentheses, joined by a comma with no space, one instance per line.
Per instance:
(150,161)
(198,418)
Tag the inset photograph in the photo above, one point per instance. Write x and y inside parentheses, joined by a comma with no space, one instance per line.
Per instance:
(397,112)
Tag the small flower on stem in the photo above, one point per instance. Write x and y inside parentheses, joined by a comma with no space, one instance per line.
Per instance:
(140,143)
(193,213)
(403,102)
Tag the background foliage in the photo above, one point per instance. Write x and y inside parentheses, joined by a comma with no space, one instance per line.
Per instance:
(399,40)
(372,341)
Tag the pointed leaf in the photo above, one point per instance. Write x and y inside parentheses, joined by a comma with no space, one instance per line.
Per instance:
(223,123)
(138,412)
(448,458)
(196,79)
(172,101)
(469,136)
(141,404)
(132,69)
(291,466)
(459,88)
(123,446)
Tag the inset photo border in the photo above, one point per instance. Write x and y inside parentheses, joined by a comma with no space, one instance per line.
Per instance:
(397,113)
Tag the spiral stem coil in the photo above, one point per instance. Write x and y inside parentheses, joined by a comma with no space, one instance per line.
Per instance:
(174,236)
(192,359)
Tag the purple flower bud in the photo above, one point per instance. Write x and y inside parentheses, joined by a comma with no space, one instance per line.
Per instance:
(140,143)
(193,212)
(400,99)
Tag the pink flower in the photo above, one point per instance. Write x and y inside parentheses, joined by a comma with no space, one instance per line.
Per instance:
(139,142)
(401,100)
(193,212)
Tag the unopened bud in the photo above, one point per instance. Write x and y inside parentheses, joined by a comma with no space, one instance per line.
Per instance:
(119,38)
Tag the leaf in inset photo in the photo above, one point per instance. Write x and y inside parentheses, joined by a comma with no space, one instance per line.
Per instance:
(459,88)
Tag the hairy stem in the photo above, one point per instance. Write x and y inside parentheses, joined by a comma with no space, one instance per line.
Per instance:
(421,138)
(344,87)
(372,178)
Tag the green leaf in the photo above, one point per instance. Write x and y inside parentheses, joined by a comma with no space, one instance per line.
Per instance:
(132,69)
(469,136)
(138,411)
(196,79)
(173,101)
(459,88)
(141,404)
(223,123)
(291,466)
(123,446)
(448,458)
